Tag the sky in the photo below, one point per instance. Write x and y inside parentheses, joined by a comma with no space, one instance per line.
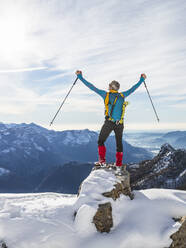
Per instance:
(43,43)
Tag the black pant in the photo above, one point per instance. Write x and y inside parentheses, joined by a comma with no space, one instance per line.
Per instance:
(106,129)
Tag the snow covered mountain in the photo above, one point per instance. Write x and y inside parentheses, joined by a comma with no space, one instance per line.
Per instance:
(29,153)
(28,145)
(166,170)
(35,159)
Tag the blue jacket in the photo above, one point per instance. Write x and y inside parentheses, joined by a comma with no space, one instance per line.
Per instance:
(117,111)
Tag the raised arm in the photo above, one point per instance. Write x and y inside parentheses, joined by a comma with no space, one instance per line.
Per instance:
(134,87)
(102,93)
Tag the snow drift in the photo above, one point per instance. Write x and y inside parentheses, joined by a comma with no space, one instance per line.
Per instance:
(47,220)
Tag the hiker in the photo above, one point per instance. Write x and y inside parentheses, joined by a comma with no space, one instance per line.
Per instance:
(114,113)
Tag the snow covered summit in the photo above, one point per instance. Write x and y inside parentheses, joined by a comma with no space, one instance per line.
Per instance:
(56,220)
(99,199)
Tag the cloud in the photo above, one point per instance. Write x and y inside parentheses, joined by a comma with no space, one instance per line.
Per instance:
(15,98)
(24,70)
(181,106)
(145,126)
(106,39)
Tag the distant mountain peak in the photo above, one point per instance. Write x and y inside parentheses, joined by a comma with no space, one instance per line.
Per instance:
(166,170)
(166,148)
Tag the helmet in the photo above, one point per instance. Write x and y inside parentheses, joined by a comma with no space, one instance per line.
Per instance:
(114,85)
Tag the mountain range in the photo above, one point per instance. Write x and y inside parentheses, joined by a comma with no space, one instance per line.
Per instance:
(152,141)
(35,159)
(29,153)
(165,170)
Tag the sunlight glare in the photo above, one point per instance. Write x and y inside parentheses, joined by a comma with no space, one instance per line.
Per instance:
(13,35)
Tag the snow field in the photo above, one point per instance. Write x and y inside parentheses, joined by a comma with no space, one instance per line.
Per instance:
(47,220)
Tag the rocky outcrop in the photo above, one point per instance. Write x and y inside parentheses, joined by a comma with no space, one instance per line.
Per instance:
(179,237)
(103,218)
(166,170)
(3,244)
(98,191)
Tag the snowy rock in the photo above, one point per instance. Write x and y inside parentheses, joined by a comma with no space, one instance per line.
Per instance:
(98,191)
(121,187)
(179,237)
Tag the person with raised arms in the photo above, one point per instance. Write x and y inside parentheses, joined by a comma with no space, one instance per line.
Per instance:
(115,105)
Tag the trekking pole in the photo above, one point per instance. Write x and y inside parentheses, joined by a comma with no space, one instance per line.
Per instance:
(63,102)
(152,103)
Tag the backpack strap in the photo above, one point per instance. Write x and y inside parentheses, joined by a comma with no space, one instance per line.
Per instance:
(106,104)
(123,111)
(115,100)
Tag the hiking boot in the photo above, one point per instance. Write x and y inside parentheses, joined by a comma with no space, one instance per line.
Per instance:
(100,164)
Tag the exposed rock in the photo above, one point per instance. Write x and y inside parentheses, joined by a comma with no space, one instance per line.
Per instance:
(165,148)
(3,244)
(179,237)
(122,187)
(103,218)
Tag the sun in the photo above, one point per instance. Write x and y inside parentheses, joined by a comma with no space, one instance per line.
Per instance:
(14,35)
